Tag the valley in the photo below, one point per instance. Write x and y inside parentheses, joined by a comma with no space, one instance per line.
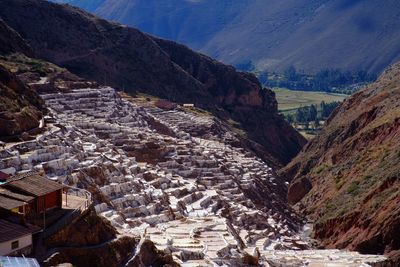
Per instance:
(169,176)
(307,111)
(119,148)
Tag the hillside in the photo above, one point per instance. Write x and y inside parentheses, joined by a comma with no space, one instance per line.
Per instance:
(273,34)
(347,179)
(127,59)
(20,107)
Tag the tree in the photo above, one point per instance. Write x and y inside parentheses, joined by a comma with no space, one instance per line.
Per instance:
(327,109)
(316,123)
(290,118)
(312,113)
(291,74)
(322,107)
(300,116)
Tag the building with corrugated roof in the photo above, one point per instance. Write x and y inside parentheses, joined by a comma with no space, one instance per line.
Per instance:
(16,239)
(30,195)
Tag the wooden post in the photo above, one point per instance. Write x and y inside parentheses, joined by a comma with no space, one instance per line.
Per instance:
(44,213)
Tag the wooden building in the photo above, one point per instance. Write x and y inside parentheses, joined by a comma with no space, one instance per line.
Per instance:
(40,193)
(14,202)
(31,198)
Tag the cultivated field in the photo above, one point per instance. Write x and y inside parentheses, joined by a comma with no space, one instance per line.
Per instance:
(290,99)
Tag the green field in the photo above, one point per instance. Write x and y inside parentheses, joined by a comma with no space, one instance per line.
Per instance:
(290,99)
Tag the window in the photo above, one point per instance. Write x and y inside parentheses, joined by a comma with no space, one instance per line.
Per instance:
(14,244)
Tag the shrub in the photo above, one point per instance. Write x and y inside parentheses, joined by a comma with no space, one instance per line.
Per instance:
(320,168)
(353,188)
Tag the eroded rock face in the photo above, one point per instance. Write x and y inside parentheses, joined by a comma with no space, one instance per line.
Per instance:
(128,59)
(353,167)
(298,189)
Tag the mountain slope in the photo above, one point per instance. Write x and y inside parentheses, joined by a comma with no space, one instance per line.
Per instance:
(11,42)
(310,35)
(348,178)
(135,62)
(20,107)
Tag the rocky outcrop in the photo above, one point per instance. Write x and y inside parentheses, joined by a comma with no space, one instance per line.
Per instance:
(90,241)
(347,178)
(20,107)
(112,254)
(87,231)
(116,55)
(21,79)
(149,255)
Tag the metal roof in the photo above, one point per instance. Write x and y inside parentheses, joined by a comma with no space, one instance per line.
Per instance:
(18,262)
(33,183)
(7,193)
(9,203)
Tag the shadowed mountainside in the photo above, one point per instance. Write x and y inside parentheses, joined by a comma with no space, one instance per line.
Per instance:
(347,179)
(11,42)
(273,34)
(128,59)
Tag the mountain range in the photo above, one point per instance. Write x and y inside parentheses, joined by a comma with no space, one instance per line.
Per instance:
(270,34)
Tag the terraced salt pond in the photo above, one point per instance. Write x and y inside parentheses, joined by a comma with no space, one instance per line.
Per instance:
(174,177)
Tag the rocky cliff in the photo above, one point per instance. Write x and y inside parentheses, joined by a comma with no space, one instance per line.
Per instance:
(124,57)
(348,178)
